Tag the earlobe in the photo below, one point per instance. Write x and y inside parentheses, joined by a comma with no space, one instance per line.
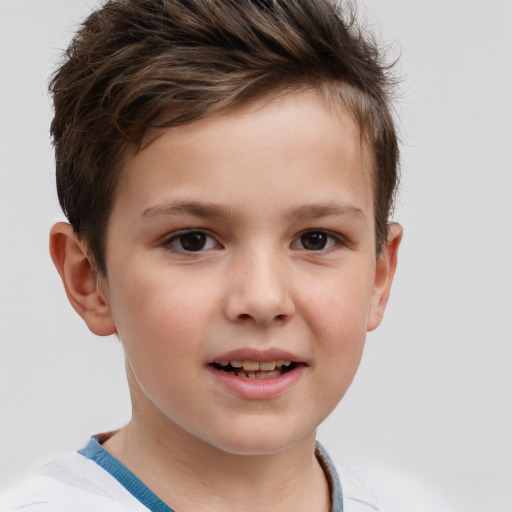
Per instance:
(384,273)
(82,283)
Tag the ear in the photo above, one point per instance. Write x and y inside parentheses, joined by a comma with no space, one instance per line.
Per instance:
(85,288)
(384,273)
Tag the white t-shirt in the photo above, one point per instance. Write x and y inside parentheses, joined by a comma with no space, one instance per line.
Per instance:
(92,480)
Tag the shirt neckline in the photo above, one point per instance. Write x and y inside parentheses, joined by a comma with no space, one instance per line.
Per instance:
(95,452)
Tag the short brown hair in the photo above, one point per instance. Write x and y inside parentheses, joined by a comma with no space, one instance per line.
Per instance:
(133,61)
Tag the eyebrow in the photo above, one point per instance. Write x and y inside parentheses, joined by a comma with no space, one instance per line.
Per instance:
(190,208)
(208,210)
(323,210)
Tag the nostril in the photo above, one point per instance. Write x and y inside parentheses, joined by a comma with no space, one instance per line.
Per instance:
(246,316)
(262,308)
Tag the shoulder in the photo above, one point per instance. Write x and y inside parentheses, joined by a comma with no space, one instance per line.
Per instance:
(71,482)
(370,489)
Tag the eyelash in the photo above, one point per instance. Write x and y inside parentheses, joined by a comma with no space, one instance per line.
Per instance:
(332,240)
(178,237)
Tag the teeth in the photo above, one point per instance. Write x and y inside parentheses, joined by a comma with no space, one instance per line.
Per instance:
(251,365)
(268,375)
(258,375)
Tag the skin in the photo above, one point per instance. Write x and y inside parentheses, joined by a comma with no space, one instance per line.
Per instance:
(269,171)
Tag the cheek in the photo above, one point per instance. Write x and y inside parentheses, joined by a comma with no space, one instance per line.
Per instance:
(338,307)
(337,313)
(161,311)
(162,328)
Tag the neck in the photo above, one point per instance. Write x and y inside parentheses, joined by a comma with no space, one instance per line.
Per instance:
(191,475)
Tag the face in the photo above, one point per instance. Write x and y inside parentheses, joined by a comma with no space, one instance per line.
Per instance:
(242,275)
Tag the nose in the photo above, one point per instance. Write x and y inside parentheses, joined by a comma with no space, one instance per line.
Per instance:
(259,290)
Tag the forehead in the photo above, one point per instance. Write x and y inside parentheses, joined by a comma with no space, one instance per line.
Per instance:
(288,148)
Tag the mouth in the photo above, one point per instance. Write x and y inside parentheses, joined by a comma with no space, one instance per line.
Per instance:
(258,374)
(256,369)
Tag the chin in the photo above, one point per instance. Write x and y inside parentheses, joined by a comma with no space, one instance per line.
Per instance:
(259,441)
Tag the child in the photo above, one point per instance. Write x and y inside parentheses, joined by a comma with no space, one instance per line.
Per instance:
(227,168)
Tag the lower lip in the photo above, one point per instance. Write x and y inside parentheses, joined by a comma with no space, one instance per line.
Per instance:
(258,389)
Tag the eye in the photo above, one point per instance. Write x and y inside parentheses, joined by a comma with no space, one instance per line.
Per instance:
(315,240)
(191,241)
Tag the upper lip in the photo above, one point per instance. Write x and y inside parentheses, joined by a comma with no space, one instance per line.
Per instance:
(256,354)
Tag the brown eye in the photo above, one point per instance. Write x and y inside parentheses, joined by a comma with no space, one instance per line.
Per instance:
(191,241)
(314,240)
(194,241)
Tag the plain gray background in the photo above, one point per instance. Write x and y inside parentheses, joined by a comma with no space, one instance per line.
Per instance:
(433,397)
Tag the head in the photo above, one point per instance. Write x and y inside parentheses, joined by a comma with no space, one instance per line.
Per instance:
(136,65)
(227,168)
